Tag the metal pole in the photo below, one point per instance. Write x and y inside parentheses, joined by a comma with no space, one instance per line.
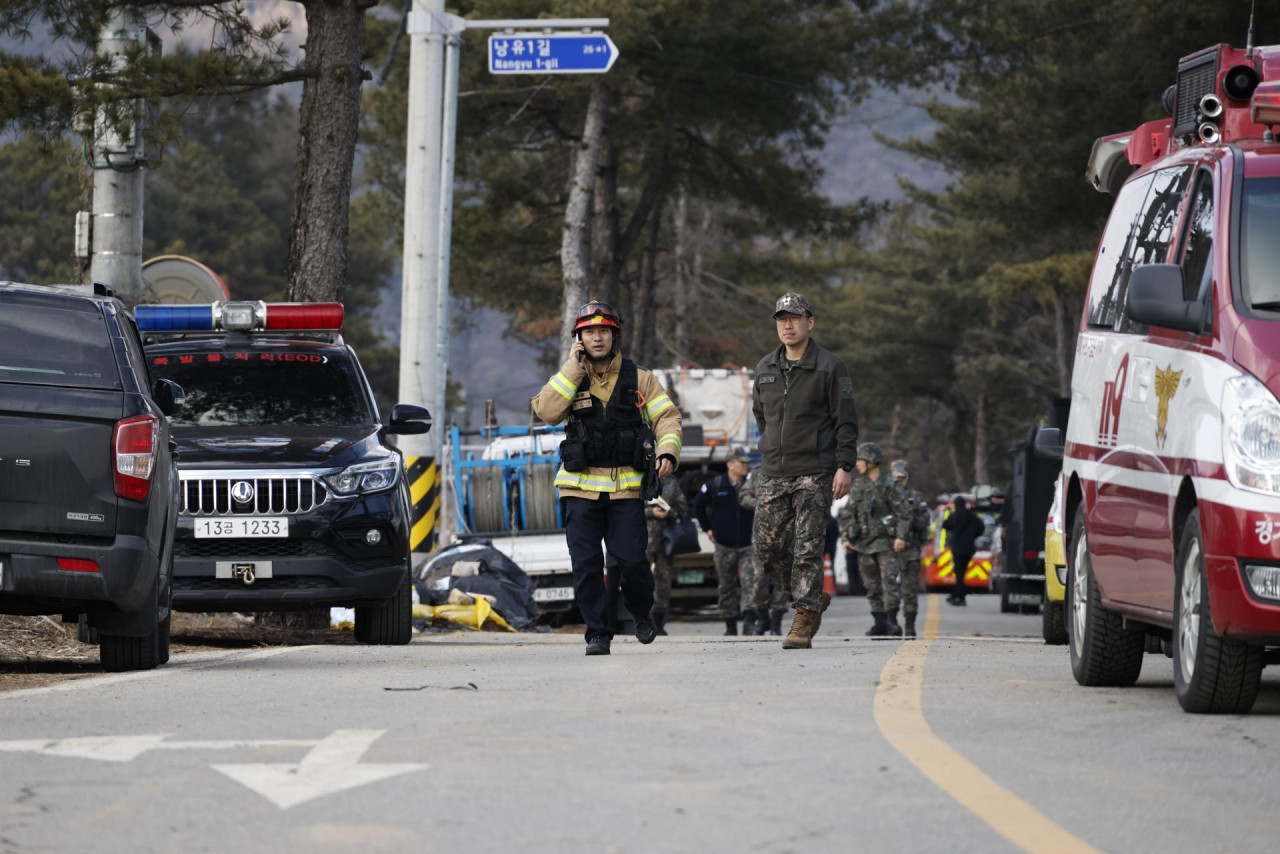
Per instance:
(448,135)
(117,178)
(418,376)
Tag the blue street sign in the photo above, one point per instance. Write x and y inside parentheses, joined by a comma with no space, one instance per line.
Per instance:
(551,53)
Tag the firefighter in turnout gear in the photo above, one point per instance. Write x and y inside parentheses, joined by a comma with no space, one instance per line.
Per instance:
(622,435)
(909,558)
(875,521)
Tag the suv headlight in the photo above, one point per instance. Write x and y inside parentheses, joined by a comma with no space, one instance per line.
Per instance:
(365,477)
(1251,435)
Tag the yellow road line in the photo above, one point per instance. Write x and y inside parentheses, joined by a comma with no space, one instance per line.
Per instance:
(901,721)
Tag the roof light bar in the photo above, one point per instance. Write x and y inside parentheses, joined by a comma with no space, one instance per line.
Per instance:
(241,316)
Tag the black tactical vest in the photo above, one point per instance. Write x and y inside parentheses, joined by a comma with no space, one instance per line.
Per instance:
(605,435)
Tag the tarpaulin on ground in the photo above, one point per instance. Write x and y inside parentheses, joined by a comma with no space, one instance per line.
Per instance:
(479,568)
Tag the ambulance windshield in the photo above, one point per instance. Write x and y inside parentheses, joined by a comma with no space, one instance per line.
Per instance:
(1259,249)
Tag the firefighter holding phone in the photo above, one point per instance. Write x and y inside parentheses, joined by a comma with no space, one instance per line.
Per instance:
(622,435)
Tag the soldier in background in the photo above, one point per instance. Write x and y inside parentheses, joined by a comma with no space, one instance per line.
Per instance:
(767,597)
(670,506)
(909,558)
(875,522)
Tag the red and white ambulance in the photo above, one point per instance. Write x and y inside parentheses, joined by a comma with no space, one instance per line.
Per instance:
(1171,476)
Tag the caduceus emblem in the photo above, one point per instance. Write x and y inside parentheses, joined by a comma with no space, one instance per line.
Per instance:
(1166,386)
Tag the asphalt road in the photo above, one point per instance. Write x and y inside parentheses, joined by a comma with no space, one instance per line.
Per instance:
(971,739)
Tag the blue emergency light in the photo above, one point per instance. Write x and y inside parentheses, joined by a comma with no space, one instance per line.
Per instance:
(240,316)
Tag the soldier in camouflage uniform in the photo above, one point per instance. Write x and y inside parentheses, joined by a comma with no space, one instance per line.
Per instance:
(656,518)
(770,600)
(802,399)
(875,521)
(909,558)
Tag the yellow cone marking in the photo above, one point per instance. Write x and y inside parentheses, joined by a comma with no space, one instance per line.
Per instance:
(901,721)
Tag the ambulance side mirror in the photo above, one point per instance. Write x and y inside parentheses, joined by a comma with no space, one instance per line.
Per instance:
(1155,298)
(1049,443)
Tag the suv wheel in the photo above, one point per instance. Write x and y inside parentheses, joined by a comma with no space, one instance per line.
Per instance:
(1053,626)
(390,623)
(121,653)
(1103,651)
(1210,674)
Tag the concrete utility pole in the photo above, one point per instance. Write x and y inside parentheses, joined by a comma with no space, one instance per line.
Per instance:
(118,158)
(420,373)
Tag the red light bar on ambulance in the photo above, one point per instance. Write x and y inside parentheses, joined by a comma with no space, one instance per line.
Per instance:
(241,316)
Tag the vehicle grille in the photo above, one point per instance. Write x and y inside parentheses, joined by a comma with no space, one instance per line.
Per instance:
(285,582)
(272,496)
(256,547)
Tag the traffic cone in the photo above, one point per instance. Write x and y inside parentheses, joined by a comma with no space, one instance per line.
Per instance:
(828,575)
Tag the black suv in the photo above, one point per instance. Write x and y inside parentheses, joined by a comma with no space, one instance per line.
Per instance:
(88,488)
(291,496)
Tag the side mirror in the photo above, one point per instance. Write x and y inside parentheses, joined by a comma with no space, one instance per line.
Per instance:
(408,420)
(1049,443)
(1155,298)
(169,396)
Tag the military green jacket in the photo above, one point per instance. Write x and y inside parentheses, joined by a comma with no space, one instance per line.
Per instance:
(875,515)
(806,415)
(918,528)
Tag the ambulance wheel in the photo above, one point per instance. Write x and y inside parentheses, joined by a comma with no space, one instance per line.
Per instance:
(1103,650)
(1210,674)
(1053,626)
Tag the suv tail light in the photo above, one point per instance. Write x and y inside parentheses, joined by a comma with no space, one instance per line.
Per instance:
(133,456)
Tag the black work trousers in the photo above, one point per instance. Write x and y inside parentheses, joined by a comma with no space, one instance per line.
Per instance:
(960,565)
(620,524)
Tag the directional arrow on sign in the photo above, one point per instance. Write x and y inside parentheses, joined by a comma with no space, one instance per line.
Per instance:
(332,765)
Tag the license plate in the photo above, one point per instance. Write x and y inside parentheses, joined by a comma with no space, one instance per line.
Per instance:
(552,594)
(689,576)
(257,526)
(247,571)
(1024,598)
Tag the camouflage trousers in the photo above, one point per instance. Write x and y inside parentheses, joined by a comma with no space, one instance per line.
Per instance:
(734,568)
(789,533)
(662,564)
(909,580)
(879,571)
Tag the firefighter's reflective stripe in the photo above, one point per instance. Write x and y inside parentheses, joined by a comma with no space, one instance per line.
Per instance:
(658,405)
(424,493)
(563,386)
(627,479)
(671,442)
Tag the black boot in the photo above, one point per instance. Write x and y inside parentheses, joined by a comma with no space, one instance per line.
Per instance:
(750,623)
(730,627)
(909,623)
(660,620)
(598,645)
(891,627)
(879,628)
(646,629)
(775,622)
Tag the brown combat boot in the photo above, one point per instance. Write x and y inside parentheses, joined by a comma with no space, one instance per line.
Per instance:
(803,627)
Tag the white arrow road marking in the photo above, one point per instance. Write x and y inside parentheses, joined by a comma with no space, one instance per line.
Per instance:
(108,748)
(331,766)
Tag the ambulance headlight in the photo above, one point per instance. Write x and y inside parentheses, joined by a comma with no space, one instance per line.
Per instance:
(365,478)
(1251,435)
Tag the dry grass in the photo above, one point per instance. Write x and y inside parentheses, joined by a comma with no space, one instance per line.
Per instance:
(36,651)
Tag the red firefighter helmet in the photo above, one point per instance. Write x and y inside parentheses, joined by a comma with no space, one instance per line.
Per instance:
(597,313)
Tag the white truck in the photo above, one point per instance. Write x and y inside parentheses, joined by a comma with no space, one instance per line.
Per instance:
(499,486)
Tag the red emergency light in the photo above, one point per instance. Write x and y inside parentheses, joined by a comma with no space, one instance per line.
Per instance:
(301,315)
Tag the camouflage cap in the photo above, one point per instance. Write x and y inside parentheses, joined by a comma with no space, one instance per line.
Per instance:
(740,455)
(899,468)
(870,452)
(792,303)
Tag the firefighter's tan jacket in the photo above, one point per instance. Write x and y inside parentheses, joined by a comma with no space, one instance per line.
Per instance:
(554,404)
